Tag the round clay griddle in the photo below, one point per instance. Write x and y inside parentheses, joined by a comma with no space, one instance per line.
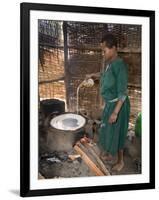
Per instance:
(68,121)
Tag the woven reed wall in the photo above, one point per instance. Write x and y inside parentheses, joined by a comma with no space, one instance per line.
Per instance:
(59,78)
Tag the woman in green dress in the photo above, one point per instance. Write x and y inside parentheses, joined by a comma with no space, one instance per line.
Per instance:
(113,88)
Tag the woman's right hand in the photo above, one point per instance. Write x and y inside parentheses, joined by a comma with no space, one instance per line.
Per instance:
(89,75)
(93,75)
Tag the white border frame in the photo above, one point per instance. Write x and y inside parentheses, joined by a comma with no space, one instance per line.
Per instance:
(85,181)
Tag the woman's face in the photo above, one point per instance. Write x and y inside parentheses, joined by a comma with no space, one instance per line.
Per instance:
(108,53)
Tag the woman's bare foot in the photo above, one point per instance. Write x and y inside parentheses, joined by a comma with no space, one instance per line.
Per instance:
(118,166)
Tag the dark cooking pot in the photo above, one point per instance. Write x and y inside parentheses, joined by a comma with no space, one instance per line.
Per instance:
(64,130)
(49,106)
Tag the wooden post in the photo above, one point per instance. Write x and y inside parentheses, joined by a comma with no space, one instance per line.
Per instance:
(66,63)
(101,101)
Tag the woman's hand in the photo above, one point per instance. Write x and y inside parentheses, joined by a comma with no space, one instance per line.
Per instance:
(93,75)
(88,76)
(113,117)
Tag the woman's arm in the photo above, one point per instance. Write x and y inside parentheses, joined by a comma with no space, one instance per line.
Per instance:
(93,75)
(121,84)
(113,117)
(118,106)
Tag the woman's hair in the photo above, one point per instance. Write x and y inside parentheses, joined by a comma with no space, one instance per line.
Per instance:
(110,40)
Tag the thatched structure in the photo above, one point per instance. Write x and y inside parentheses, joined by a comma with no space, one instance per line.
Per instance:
(69,50)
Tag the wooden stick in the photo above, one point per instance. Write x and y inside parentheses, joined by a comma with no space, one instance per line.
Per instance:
(87,152)
(88,161)
(73,157)
(99,161)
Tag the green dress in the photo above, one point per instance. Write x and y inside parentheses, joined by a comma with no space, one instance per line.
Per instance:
(113,86)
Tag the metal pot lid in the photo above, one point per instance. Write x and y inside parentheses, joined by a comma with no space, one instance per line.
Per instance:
(68,121)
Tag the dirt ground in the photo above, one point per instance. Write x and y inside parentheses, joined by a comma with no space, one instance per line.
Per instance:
(58,164)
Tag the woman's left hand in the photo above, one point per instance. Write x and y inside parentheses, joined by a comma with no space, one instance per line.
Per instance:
(113,118)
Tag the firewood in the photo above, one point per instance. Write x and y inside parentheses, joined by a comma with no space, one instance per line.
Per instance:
(99,161)
(88,161)
(75,156)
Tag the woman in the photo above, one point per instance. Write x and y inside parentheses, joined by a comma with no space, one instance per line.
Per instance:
(113,88)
